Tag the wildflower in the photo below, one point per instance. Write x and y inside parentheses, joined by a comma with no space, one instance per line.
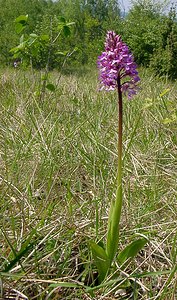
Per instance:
(117,71)
(117,63)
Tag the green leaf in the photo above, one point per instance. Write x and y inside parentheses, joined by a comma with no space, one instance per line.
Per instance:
(19,27)
(101,260)
(114,219)
(26,246)
(62,20)
(66,285)
(15,50)
(173,118)
(62,53)
(20,47)
(111,282)
(44,37)
(50,87)
(131,250)
(32,40)
(15,276)
(33,35)
(151,274)
(22,19)
(20,23)
(148,103)
(22,39)
(70,24)
(44,76)
(164,92)
(66,30)
(60,26)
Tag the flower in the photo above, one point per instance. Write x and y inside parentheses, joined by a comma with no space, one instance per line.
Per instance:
(117,63)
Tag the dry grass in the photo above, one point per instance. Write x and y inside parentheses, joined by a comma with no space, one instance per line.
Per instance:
(58,166)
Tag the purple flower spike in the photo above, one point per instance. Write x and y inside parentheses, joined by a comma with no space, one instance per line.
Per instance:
(116,63)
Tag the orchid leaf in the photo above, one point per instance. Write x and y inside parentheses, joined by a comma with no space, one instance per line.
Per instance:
(101,260)
(131,250)
(114,221)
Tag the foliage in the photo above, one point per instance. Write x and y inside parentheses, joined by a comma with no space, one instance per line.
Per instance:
(164,59)
(10,10)
(58,165)
(41,50)
(141,31)
(152,36)
(146,29)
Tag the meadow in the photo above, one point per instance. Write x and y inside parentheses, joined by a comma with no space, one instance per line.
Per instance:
(58,163)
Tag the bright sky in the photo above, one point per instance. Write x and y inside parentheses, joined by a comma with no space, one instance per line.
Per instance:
(126,4)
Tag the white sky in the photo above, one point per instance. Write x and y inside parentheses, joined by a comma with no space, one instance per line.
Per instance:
(126,4)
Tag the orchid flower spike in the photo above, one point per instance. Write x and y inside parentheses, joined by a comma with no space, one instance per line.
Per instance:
(117,63)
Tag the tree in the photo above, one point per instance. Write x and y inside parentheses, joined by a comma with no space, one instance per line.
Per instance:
(10,10)
(164,60)
(141,30)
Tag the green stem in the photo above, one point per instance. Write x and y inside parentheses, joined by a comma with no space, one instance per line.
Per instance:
(120,112)
(116,206)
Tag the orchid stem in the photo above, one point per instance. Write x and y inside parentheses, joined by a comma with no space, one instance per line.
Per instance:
(116,206)
(118,202)
(115,64)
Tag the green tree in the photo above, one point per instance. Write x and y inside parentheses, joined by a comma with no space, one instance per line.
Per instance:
(41,48)
(11,9)
(92,19)
(164,60)
(141,30)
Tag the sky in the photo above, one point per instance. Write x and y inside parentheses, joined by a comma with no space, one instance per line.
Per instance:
(126,4)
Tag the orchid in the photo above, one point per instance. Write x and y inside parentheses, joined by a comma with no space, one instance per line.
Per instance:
(116,64)
(117,70)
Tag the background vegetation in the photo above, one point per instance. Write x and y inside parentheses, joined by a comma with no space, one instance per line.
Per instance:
(150,34)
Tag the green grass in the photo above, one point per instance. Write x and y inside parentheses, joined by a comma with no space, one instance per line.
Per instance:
(58,162)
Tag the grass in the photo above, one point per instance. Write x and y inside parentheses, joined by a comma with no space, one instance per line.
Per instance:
(58,162)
